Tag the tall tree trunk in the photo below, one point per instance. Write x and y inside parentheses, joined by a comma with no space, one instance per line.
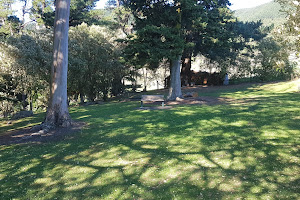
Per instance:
(57,112)
(31,101)
(175,86)
(81,98)
(145,79)
(186,72)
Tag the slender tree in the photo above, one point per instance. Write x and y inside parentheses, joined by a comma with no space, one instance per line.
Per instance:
(57,112)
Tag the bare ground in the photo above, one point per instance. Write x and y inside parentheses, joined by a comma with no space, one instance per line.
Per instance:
(29,135)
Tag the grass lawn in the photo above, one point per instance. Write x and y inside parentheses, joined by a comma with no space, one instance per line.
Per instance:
(248,149)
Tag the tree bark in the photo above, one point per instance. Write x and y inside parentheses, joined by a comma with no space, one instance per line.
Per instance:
(145,79)
(57,112)
(81,98)
(175,86)
(186,72)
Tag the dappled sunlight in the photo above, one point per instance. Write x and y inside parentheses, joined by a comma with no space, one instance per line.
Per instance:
(7,126)
(242,151)
(187,113)
(84,116)
(282,87)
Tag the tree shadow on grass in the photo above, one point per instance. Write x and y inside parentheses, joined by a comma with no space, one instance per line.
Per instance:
(8,126)
(238,151)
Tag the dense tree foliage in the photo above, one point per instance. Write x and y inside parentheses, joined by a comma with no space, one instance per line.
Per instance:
(292,26)
(164,29)
(25,69)
(95,69)
(9,24)
(272,61)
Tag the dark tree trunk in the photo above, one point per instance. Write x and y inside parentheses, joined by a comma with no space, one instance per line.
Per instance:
(24,102)
(57,112)
(175,86)
(186,73)
(145,79)
(31,101)
(81,98)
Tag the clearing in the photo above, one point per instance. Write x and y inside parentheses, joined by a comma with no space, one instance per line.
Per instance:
(245,145)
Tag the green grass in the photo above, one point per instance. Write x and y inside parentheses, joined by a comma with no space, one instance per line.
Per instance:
(245,150)
(5,127)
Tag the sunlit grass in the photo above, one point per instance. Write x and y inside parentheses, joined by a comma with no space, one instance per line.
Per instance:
(247,149)
(7,125)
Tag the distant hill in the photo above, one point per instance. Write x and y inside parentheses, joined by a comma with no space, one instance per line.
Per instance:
(268,13)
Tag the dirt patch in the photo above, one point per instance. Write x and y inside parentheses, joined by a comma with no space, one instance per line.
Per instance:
(155,108)
(29,136)
(199,101)
(204,100)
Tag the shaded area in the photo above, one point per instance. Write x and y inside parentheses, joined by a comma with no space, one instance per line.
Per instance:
(246,150)
(9,126)
(28,135)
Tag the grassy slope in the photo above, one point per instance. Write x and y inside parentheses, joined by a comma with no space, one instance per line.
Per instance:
(268,13)
(246,150)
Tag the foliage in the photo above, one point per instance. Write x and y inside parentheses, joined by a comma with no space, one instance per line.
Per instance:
(247,149)
(118,20)
(292,26)
(26,65)
(10,27)
(226,37)
(7,96)
(93,57)
(26,59)
(5,8)
(262,55)
(273,61)
(43,12)
(164,29)
(9,24)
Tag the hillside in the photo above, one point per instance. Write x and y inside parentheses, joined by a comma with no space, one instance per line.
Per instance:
(268,13)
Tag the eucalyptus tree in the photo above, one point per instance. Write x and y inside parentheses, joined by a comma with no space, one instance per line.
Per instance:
(57,111)
(163,29)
